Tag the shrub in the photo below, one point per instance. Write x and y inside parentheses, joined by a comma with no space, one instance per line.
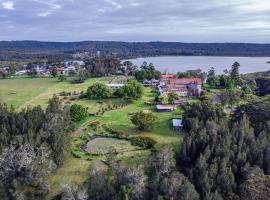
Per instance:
(98,91)
(144,142)
(78,113)
(144,120)
(132,90)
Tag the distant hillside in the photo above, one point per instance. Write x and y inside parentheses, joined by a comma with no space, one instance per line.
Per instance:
(36,49)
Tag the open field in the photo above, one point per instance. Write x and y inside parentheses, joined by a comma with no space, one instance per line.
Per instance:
(23,92)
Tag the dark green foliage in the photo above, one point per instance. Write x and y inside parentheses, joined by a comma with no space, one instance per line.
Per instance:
(230,97)
(144,142)
(202,111)
(31,142)
(255,186)
(132,90)
(168,183)
(258,112)
(263,86)
(62,78)
(35,49)
(213,156)
(172,97)
(144,121)
(220,82)
(78,113)
(98,91)
(234,73)
(102,66)
(147,72)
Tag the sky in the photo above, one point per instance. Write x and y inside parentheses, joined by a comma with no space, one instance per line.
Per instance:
(136,20)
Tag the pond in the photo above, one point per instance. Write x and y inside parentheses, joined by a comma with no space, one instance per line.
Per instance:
(174,64)
(103,145)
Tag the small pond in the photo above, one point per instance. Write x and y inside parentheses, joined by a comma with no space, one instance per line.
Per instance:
(103,145)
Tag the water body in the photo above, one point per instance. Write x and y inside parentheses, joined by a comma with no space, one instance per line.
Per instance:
(175,64)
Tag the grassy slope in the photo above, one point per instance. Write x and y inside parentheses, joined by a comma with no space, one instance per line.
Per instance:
(23,92)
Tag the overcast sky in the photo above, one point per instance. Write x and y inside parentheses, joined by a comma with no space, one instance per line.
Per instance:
(136,20)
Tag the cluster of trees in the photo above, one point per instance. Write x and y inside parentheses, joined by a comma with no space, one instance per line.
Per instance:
(147,72)
(35,49)
(132,90)
(78,113)
(144,120)
(122,182)
(168,98)
(192,74)
(224,159)
(225,81)
(102,66)
(33,142)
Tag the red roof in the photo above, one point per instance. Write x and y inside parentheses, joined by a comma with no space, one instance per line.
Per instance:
(167,76)
(186,81)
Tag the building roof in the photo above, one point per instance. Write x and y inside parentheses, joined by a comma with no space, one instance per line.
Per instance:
(177,122)
(115,85)
(167,76)
(186,81)
(161,107)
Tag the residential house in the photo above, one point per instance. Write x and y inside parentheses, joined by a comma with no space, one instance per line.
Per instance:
(182,86)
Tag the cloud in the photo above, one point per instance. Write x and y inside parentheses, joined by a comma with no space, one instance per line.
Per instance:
(8,5)
(114,3)
(138,20)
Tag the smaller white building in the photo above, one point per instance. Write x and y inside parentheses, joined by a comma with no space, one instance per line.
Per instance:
(177,124)
(115,86)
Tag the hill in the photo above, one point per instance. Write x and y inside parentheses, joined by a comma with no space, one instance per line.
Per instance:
(36,49)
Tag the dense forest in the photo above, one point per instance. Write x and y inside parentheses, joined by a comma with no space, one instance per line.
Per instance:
(36,49)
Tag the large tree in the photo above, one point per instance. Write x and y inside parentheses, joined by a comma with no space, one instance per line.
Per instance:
(144,120)
(98,91)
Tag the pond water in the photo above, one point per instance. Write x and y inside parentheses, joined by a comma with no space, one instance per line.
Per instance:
(175,64)
(103,145)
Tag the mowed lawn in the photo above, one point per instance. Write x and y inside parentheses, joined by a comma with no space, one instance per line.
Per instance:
(23,92)
(18,91)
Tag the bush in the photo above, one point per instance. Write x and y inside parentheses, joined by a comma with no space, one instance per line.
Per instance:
(78,113)
(144,142)
(132,90)
(98,91)
(144,120)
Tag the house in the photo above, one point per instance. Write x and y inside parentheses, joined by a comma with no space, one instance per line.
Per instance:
(165,79)
(182,86)
(115,86)
(177,124)
(163,108)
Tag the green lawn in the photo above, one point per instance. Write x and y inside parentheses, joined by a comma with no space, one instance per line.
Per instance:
(23,92)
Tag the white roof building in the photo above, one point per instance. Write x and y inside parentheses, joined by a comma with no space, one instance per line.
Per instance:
(115,86)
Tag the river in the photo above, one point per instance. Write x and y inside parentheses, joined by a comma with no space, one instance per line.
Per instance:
(175,64)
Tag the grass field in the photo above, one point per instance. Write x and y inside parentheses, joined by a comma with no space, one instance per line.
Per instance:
(23,92)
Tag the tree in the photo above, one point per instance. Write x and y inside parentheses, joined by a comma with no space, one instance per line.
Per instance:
(211,72)
(54,71)
(234,73)
(230,97)
(132,90)
(98,91)
(78,113)
(143,120)
(62,78)
(163,99)
(172,97)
